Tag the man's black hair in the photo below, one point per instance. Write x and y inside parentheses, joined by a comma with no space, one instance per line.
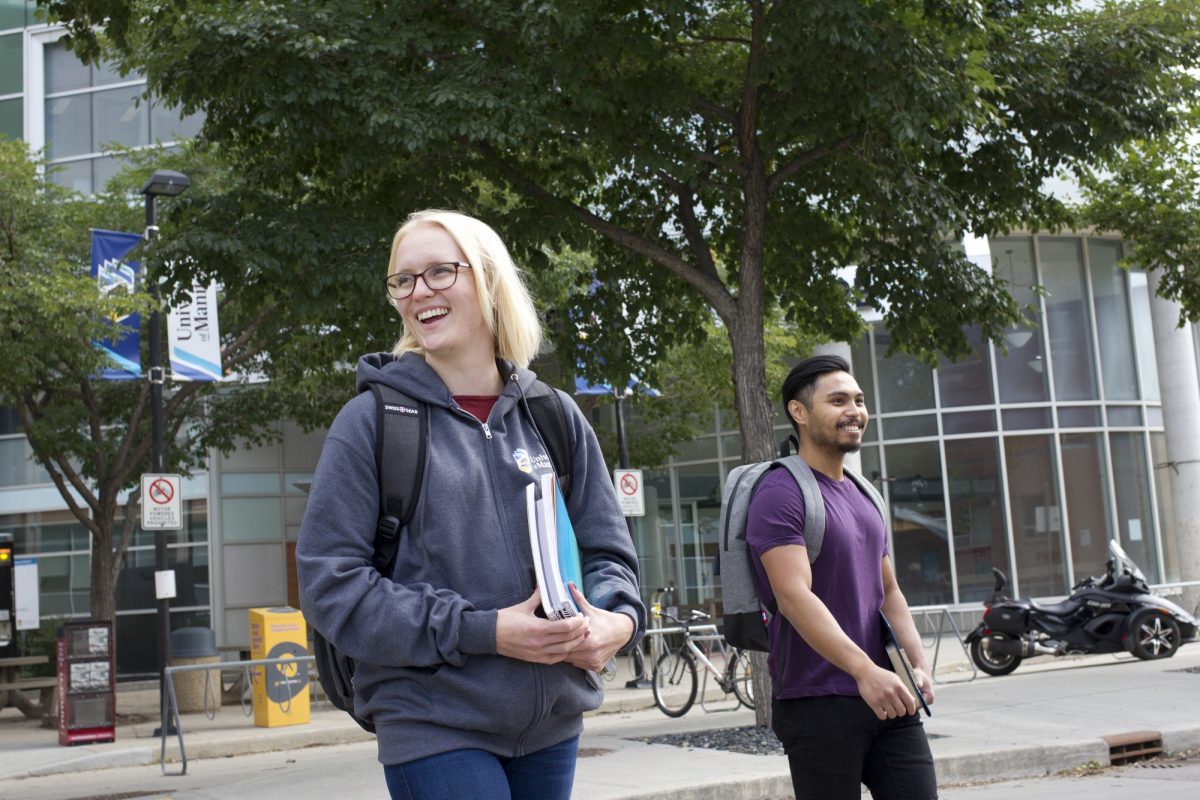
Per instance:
(801,381)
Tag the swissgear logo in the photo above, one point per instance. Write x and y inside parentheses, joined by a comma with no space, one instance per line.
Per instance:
(392,408)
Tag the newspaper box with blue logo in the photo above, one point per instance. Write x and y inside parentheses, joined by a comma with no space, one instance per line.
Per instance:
(281,687)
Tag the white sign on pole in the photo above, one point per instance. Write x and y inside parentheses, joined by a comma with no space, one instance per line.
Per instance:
(25,594)
(630,494)
(162,506)
(194,337)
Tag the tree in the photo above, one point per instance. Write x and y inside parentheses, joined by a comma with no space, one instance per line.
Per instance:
(93,436)
(736,154)
(1149,192)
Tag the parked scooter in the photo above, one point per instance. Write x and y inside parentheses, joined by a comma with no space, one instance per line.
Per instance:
(1109,614)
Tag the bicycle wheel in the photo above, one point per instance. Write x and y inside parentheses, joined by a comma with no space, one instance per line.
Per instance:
(674,682)
(741,674)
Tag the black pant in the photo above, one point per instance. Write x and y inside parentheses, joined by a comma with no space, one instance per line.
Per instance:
(835,743)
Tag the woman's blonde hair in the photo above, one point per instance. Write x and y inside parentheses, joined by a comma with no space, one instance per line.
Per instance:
(504,300)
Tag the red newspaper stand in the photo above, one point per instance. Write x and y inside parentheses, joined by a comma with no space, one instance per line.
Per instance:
(86,683)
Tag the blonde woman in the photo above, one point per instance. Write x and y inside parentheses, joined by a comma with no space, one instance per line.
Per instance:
(472,692)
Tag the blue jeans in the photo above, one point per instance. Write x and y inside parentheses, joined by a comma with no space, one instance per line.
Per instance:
(479,775)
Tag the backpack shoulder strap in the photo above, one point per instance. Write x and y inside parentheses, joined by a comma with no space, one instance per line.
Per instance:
(401,438)
(550,419)
(870,491)
(814,504)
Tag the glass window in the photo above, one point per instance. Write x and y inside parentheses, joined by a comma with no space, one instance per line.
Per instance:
(74,175)
(1154,416)
(870,466)
(700,449)
(1087,502)
(135,588)
(69,126)
(977,514)
(700,512)
(863,367)
(297,482)
(731,446)
(45,532)
(12,118)
(1112,308)
(166,124)
(1017,419)
(137,637)
(246,519)
(1163,475)
(1131,483)
(105,168)
(12,14)
(120,119)
(655,535)
(250,483)
(969,422)
(905,384)
(1021,374)
(1079,417)
(1143,330)
(17,466)
(106,72)
(11,71)
(1068,319)
(1036,516)
(1124,416)
(967,382)
(64,583)
(195,527)
(910,427)
(918,521)
(64,72)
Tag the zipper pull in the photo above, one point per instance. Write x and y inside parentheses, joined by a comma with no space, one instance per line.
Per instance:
(487,431)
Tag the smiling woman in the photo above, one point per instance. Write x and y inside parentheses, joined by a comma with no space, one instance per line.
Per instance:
(471,692)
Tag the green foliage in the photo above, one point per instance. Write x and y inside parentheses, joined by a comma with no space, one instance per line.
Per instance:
(1150,194)
(731,156)
(42,641)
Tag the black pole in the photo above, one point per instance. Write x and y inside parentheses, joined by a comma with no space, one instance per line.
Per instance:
(157,457)
(622,444)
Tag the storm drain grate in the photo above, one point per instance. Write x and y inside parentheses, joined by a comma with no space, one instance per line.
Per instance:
(1126,748)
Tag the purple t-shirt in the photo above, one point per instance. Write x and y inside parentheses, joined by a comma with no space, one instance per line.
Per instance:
(846,577)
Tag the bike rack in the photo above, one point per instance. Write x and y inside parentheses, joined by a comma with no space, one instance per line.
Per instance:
(946,615)
(710,635)
(173,704)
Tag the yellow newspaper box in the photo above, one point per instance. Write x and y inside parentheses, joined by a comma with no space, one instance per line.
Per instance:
(280,688)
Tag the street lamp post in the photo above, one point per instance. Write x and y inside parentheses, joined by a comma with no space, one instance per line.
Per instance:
(163,183)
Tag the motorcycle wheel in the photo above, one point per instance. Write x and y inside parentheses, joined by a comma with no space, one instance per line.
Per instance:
(1153,634)
(993,663)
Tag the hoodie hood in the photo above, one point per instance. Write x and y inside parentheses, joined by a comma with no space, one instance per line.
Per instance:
(410,374)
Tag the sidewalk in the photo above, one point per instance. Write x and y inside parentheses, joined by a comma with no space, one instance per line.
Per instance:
(1050,715)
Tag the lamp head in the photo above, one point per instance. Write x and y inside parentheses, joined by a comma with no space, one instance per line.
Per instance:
(166,183)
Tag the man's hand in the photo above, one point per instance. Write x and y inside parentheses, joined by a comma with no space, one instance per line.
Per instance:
(609,633)
(521,634)
(882,690)
(924,683)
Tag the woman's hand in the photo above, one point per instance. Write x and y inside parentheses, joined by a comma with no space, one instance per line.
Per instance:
(609,633)
(521,634)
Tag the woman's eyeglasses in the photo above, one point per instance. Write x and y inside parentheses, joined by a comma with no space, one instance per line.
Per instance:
(436,276)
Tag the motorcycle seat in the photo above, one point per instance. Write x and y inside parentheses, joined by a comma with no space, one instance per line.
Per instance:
(1065,608)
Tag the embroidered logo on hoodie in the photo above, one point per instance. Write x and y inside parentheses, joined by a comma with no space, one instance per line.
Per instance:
(528,463)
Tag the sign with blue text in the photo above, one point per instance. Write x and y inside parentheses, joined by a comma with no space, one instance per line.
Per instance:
(194,337)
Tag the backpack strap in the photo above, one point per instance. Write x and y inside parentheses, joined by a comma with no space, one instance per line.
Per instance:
(550,419)
(401,437)
(868,488)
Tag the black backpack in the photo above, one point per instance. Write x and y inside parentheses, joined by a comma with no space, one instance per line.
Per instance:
(402,427)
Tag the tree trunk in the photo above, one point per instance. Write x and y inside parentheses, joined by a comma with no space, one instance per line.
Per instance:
(102,597)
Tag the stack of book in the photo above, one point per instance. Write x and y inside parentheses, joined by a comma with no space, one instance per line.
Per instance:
(555,551)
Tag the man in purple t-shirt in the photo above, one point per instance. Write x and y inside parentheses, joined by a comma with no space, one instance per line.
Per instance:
(844,718)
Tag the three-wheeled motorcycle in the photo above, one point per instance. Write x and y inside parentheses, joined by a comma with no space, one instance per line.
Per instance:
(1113,613)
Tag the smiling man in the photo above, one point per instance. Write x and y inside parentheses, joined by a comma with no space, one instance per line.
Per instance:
(843,717)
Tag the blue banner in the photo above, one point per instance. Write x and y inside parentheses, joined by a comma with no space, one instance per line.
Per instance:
(112,271)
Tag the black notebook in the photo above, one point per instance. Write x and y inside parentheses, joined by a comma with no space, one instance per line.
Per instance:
(901,664)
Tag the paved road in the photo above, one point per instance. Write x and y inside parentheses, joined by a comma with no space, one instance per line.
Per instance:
(351,771)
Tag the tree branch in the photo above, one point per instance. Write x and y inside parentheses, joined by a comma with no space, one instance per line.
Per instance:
(691,225)
(788,170)
(133,510)
(709,286)
(57,471)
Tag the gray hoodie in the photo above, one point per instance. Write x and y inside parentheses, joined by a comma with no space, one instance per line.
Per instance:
(425,636)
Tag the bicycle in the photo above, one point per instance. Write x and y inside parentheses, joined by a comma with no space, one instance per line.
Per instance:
(674,680)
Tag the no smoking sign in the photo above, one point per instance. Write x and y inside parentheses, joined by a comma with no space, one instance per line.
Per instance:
(162,507)
(630,494)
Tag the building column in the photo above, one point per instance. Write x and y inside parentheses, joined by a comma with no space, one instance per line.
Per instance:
(853,460)
(1180,386)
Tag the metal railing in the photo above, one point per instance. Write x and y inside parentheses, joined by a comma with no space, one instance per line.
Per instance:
(219,666)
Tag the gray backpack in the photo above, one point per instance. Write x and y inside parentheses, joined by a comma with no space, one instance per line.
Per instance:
(745,616)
